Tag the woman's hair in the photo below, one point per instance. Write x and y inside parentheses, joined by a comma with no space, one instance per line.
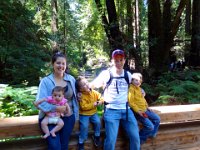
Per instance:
(56,55)
(58,89)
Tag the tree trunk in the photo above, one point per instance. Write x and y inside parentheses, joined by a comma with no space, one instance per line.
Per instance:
(169,54)
(129,21)
(104,20)
(134,51)
(117,41)
(195,41)
(137,28)
(161,33)
(188,18)
(155,36)
(111,27)
(54,25)
(64,30)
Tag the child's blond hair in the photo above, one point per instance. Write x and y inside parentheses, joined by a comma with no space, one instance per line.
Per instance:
(137,76)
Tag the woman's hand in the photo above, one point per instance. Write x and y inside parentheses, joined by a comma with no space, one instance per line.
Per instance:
(68,110)
(61,109)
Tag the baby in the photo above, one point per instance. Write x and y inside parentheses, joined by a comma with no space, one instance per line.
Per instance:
(58,99)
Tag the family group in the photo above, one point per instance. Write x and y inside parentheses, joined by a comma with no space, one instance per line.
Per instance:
(62,100)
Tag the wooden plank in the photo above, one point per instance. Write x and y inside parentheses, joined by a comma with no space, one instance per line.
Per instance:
(40,144)
(17,127)
(175,137)
(178,137)
(172,134)
(178,113)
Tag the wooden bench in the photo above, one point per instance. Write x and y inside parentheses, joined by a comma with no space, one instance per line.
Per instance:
(179,130)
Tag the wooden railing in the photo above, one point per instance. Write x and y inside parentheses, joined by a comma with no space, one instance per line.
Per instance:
(179,130)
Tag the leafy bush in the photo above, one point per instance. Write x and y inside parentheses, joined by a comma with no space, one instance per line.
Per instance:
(177,88)
(17,101)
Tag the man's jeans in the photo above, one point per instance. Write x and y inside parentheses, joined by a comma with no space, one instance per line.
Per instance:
(150,125)
(84,123)
(114,117)
(61,141)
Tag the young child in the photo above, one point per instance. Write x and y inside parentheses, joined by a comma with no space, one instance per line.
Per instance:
(58,99)
(137,102)
(89,100)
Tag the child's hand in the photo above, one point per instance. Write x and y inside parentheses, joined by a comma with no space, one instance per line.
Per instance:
(144,115)
(100,102)
(140,113)
(143,92)
(79,96)
(96,103)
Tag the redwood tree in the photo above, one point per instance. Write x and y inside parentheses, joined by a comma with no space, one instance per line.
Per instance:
(162,30)
(116,38)
(195,41)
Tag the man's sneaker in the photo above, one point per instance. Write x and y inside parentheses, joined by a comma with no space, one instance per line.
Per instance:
(96,140)
(80,146)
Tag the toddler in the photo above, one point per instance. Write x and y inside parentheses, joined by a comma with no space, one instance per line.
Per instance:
(89,100)
(150,120)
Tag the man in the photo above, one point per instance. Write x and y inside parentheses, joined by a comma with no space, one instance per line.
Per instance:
(116,107)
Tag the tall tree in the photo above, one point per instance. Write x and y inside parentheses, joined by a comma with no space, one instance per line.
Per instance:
(188,18)
(116,38)
(117,41)
(195,41)
(54,24)
(162,30)
(155,34)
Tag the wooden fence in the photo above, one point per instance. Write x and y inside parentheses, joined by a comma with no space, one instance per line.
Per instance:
(179,130)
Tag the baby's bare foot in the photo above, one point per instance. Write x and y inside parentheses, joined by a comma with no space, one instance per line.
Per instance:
(46,135)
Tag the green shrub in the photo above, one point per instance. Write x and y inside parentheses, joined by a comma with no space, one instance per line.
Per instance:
(17,102)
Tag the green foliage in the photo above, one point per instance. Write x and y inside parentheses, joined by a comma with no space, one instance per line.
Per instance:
(165,100)
(74,72)
(17,102)
(22,45)
(177,88)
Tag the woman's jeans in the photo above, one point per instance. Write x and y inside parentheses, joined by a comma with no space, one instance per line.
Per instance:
(114,117)
(61,141)
(150,125)
(84,124)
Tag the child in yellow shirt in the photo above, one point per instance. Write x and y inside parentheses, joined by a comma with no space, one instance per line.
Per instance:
(143,114)
(89,100)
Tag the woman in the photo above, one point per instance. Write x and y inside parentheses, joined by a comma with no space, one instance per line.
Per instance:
(59,78)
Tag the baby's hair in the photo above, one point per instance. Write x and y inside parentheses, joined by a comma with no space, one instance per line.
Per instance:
(78,80)
(58,89)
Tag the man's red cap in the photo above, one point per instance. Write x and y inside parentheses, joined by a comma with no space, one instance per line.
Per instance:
(118,52)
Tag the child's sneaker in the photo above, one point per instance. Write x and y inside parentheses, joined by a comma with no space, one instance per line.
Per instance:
(96,140)
(80,146)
